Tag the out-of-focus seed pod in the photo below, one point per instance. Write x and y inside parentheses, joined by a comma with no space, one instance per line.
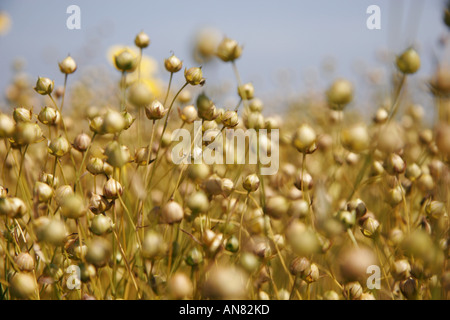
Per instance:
(98,204)
(96,125)
(298,209)
(228,50)
(173,64)
(227,187)
(256,105)
(73,207)
(75,250)
(194,257)
(340,94)
(180,286)
(251,183)
(358,206)
(277,207)
(347,218)
(381,116)
(3,192)
(313,274)
(352,290)
(22,115)
(188,114)
(395,164)
(401,269)
(101,225)
(443,139)
(409,288)
(42,191)
(99,252)
(194,76)
(44,86)
(370,227)
(213,185)
(198,172)
(27,133)
(395,196)
(355,138)
(62,193)
(125,61)
(24,262)
(232,244)
(142,40)
(113,122)
(12,207)
(172,212)
(95,166)
(140,95)
(153,245)
(426,182)
(331,295)
(23,286)
(54,232)
(304,137)
(68,65)
(128,119)
(198,202)
(409,61)
(396,236)
(413,172)
(6,126)
(82,142)
(155,111)
(391,138)
(112,189)
(230,119)
(226,282)
(87,272)
(354,262)
(246,91)
(249,262)
(436,209)
(117,155)
(59,147)
(141,155)
(253,120)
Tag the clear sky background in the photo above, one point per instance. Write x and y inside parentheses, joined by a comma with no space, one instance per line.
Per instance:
(292,35)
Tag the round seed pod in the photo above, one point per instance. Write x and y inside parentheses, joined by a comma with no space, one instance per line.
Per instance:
(230,119)
(48,116)
(117,155)
(352,290)
(401,269)
(95,166)
(99,252)
(98,204)
(101,225)
(300,266)
(198,202)
(42,191)
(53,232)
(370,227)
(125,61)
(24,262)
(44,86)
(251,183)
(87,272)
(354,262)
(112,189)
(180,286)
(225,282)
(228,50)
(331,295)
(140,95)
(194,257)
(155,111)
(194,76)
(59,147)
(27,133)
(142,40)
(62,193)
(23,286)
(304,138)
(232,244)
(355,138)
(73,207)
(12,207)
(409,61)
(172,212)
(246,91)
(276,207)
(173,64)
(188,114)
(381,116)
(113,122)
(68,65)
(153,245)
(340,94)
(6,126)
(409,288)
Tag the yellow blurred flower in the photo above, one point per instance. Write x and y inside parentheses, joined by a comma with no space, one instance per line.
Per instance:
(5,23)
(149,69)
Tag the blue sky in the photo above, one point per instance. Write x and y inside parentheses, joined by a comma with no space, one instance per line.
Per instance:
(277,35)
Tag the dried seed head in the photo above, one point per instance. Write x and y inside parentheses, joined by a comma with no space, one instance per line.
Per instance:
(251,183)
(409,61)
(409,288)
(370,227)
(98,204)
(227,187)
(184,96)
(27,133)
(352,291)
(355,138)
(194,257)
(395,164)
(62,192)
(141,155)
(6,126)
(142,40)
(413,172)
(155,111)
(68,65)
(22,115)
(95,125)
(12,207)
(153,245)
(44,86)
(256,105)
(95,165)
(172,212)
(125,61)
(228,50)
(340,94)
(101,225)
(48,116)
(180,286)
(246,91)
(73,207)
(117,155)
(23,286)
(198,202)
(401,269)
(313,274)
(213,185)
(194,76)
(99,252)
(436,209)
(42,191)
(395,196)
(188,114)
(140,95)
(112,189)
(113,122)
(230,119)
(128,119)
(300,266)
(253,120)
(304,138)
(82,142)
(59,147)
(173,64)
(24,262)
